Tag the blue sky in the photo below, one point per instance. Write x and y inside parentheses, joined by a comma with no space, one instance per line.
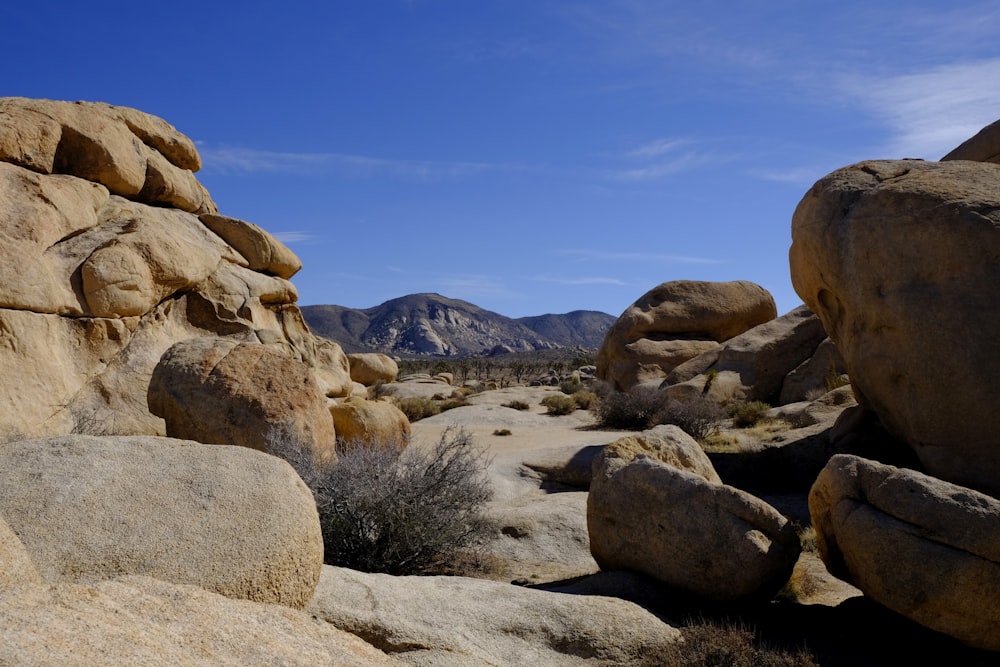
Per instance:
(529,156)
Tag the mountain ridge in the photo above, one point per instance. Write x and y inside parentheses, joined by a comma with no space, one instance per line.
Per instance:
(429,324)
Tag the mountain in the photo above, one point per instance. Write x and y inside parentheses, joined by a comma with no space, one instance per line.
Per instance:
(432,324)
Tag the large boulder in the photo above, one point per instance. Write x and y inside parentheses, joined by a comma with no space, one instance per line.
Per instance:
(16,568)
(657,507)
(218,391)
(983,147)
(369,368)
(899,260)
(462,622)
(357,420)
(677,321)
(136,620)
(229,519)
(928,549)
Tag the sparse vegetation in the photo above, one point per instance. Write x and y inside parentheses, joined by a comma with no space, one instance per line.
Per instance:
(517,405)
(559,404)
(644,407)
(748,413)
(711,644)
(416,407)
(502,431)
(585,399)
(398,513)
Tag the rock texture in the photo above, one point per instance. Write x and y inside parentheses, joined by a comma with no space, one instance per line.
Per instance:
(228,519)
(899,260)
(460,622)
(138,620)
(983,147)
(925,548)
(669,517)
(113,252)
(677,321)
(222,392)
(16,567)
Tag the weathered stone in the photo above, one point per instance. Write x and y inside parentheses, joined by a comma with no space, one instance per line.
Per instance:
(898,258)
(333,371)
(676,321)
(369,368)
(926,548)
(472,622)
(16,568)
(359,420)
(691,533)
(820,373)
(222,392)
(263,252)
(137,620)
(228,519)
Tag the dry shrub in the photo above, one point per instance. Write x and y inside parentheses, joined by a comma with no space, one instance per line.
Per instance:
(644,407)
(398,513)
(708,644)
(584,399)
(517,405)
(748,413)
(559,404)
(416,408)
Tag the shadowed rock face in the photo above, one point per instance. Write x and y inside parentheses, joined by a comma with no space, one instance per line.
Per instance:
(925,548)
(112,252)
(900,261)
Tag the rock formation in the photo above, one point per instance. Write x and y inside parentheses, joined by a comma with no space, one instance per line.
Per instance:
(657,507)
(677,321)
(925,548)
(113,253)
(899,260)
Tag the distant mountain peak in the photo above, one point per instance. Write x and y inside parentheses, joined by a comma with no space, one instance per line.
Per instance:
(432,324)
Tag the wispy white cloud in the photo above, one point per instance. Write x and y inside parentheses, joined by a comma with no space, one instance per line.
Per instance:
(621,256)
(657,148)
(293,237)
(801,175)
(658,158)
(249,160)
(581,280)
(932,111)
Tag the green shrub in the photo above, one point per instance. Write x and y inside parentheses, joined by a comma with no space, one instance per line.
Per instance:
(408,513)
(559,404)
(517,405)
(748,413)
(416,408)
(584,399)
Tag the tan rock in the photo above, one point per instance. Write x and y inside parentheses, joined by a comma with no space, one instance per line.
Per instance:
(668,444)
(691,533)
(222,392)
(927,549)
(361,420)
(17,568)
(369,368)
(263,252)
(472,622)
(897,258)
(676,321)
(983,147)
(228,519)
(333,371)
(133,154)
(142,621)
(820,373)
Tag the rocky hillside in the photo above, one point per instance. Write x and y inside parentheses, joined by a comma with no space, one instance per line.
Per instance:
(436,325)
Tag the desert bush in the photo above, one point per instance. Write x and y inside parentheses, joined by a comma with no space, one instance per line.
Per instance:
(517,405)
(748,413)
(571,386)
(710,644)
(502,431)
(452,403)
(559,404)
(634,410)
(584,399)
(398,513)
(416,408)
(699,418)
(644,407)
